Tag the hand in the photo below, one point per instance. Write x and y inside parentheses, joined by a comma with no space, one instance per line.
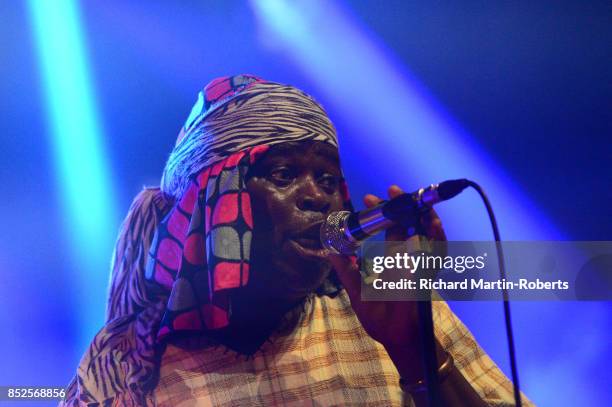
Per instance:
(394,324)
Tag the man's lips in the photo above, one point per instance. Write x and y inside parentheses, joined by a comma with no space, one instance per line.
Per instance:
(308,248)
(308,242)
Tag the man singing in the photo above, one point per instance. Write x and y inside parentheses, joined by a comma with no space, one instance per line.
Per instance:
(222,294)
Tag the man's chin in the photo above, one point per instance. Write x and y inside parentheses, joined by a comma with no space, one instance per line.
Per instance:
(305,250)
(291,279)
(309,280)
(299,280)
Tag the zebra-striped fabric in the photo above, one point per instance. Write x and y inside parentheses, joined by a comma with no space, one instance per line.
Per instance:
(121,365)
(260,113)
(130,291)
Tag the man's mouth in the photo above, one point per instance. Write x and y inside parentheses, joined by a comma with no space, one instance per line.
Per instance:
(308,242)
(308,248)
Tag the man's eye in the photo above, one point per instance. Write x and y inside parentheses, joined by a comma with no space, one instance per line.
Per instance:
(329,181)
(282,175)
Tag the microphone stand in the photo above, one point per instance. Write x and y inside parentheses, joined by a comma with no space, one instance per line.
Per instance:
(428,340)
(426,315)
(429,353)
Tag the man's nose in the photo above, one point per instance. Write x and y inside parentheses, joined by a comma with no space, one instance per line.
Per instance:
(311,197)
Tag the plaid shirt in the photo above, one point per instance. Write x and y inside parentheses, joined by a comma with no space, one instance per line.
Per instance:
(328,359)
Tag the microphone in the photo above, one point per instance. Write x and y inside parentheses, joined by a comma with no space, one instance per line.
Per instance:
(344,231)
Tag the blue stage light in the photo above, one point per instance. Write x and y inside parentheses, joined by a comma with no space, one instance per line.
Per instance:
(395,121)
(401,134)
(82,173)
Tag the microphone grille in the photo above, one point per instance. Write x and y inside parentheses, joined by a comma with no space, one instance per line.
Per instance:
(333,234)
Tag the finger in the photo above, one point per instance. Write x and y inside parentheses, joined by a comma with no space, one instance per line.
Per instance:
(371,200)
(394,191)
(397,232)
(433,226)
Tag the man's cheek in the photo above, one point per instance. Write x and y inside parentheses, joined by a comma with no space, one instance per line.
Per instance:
(280,238)
(338,203)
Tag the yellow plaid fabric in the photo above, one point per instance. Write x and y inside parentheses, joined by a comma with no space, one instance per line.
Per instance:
(328,359)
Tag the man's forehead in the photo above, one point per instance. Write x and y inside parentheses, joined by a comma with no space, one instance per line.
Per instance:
(319,149)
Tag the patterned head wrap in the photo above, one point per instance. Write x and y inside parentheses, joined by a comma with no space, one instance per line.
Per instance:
(201,250)
(201,224)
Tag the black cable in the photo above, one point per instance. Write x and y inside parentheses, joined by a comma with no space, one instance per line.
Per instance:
(502,274)
(430,359)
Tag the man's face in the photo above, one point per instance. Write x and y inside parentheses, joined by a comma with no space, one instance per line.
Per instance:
(293,188)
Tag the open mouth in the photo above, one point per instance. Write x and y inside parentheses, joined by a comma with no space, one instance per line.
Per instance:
(308,242)
(308,248)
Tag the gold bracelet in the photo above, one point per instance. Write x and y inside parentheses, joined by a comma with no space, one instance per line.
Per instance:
(420,386)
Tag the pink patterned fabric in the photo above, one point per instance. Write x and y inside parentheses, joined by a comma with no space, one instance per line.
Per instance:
(215,93)
(202,248)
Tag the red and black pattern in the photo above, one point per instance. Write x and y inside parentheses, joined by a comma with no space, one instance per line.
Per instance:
(202,248)
(216,93)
